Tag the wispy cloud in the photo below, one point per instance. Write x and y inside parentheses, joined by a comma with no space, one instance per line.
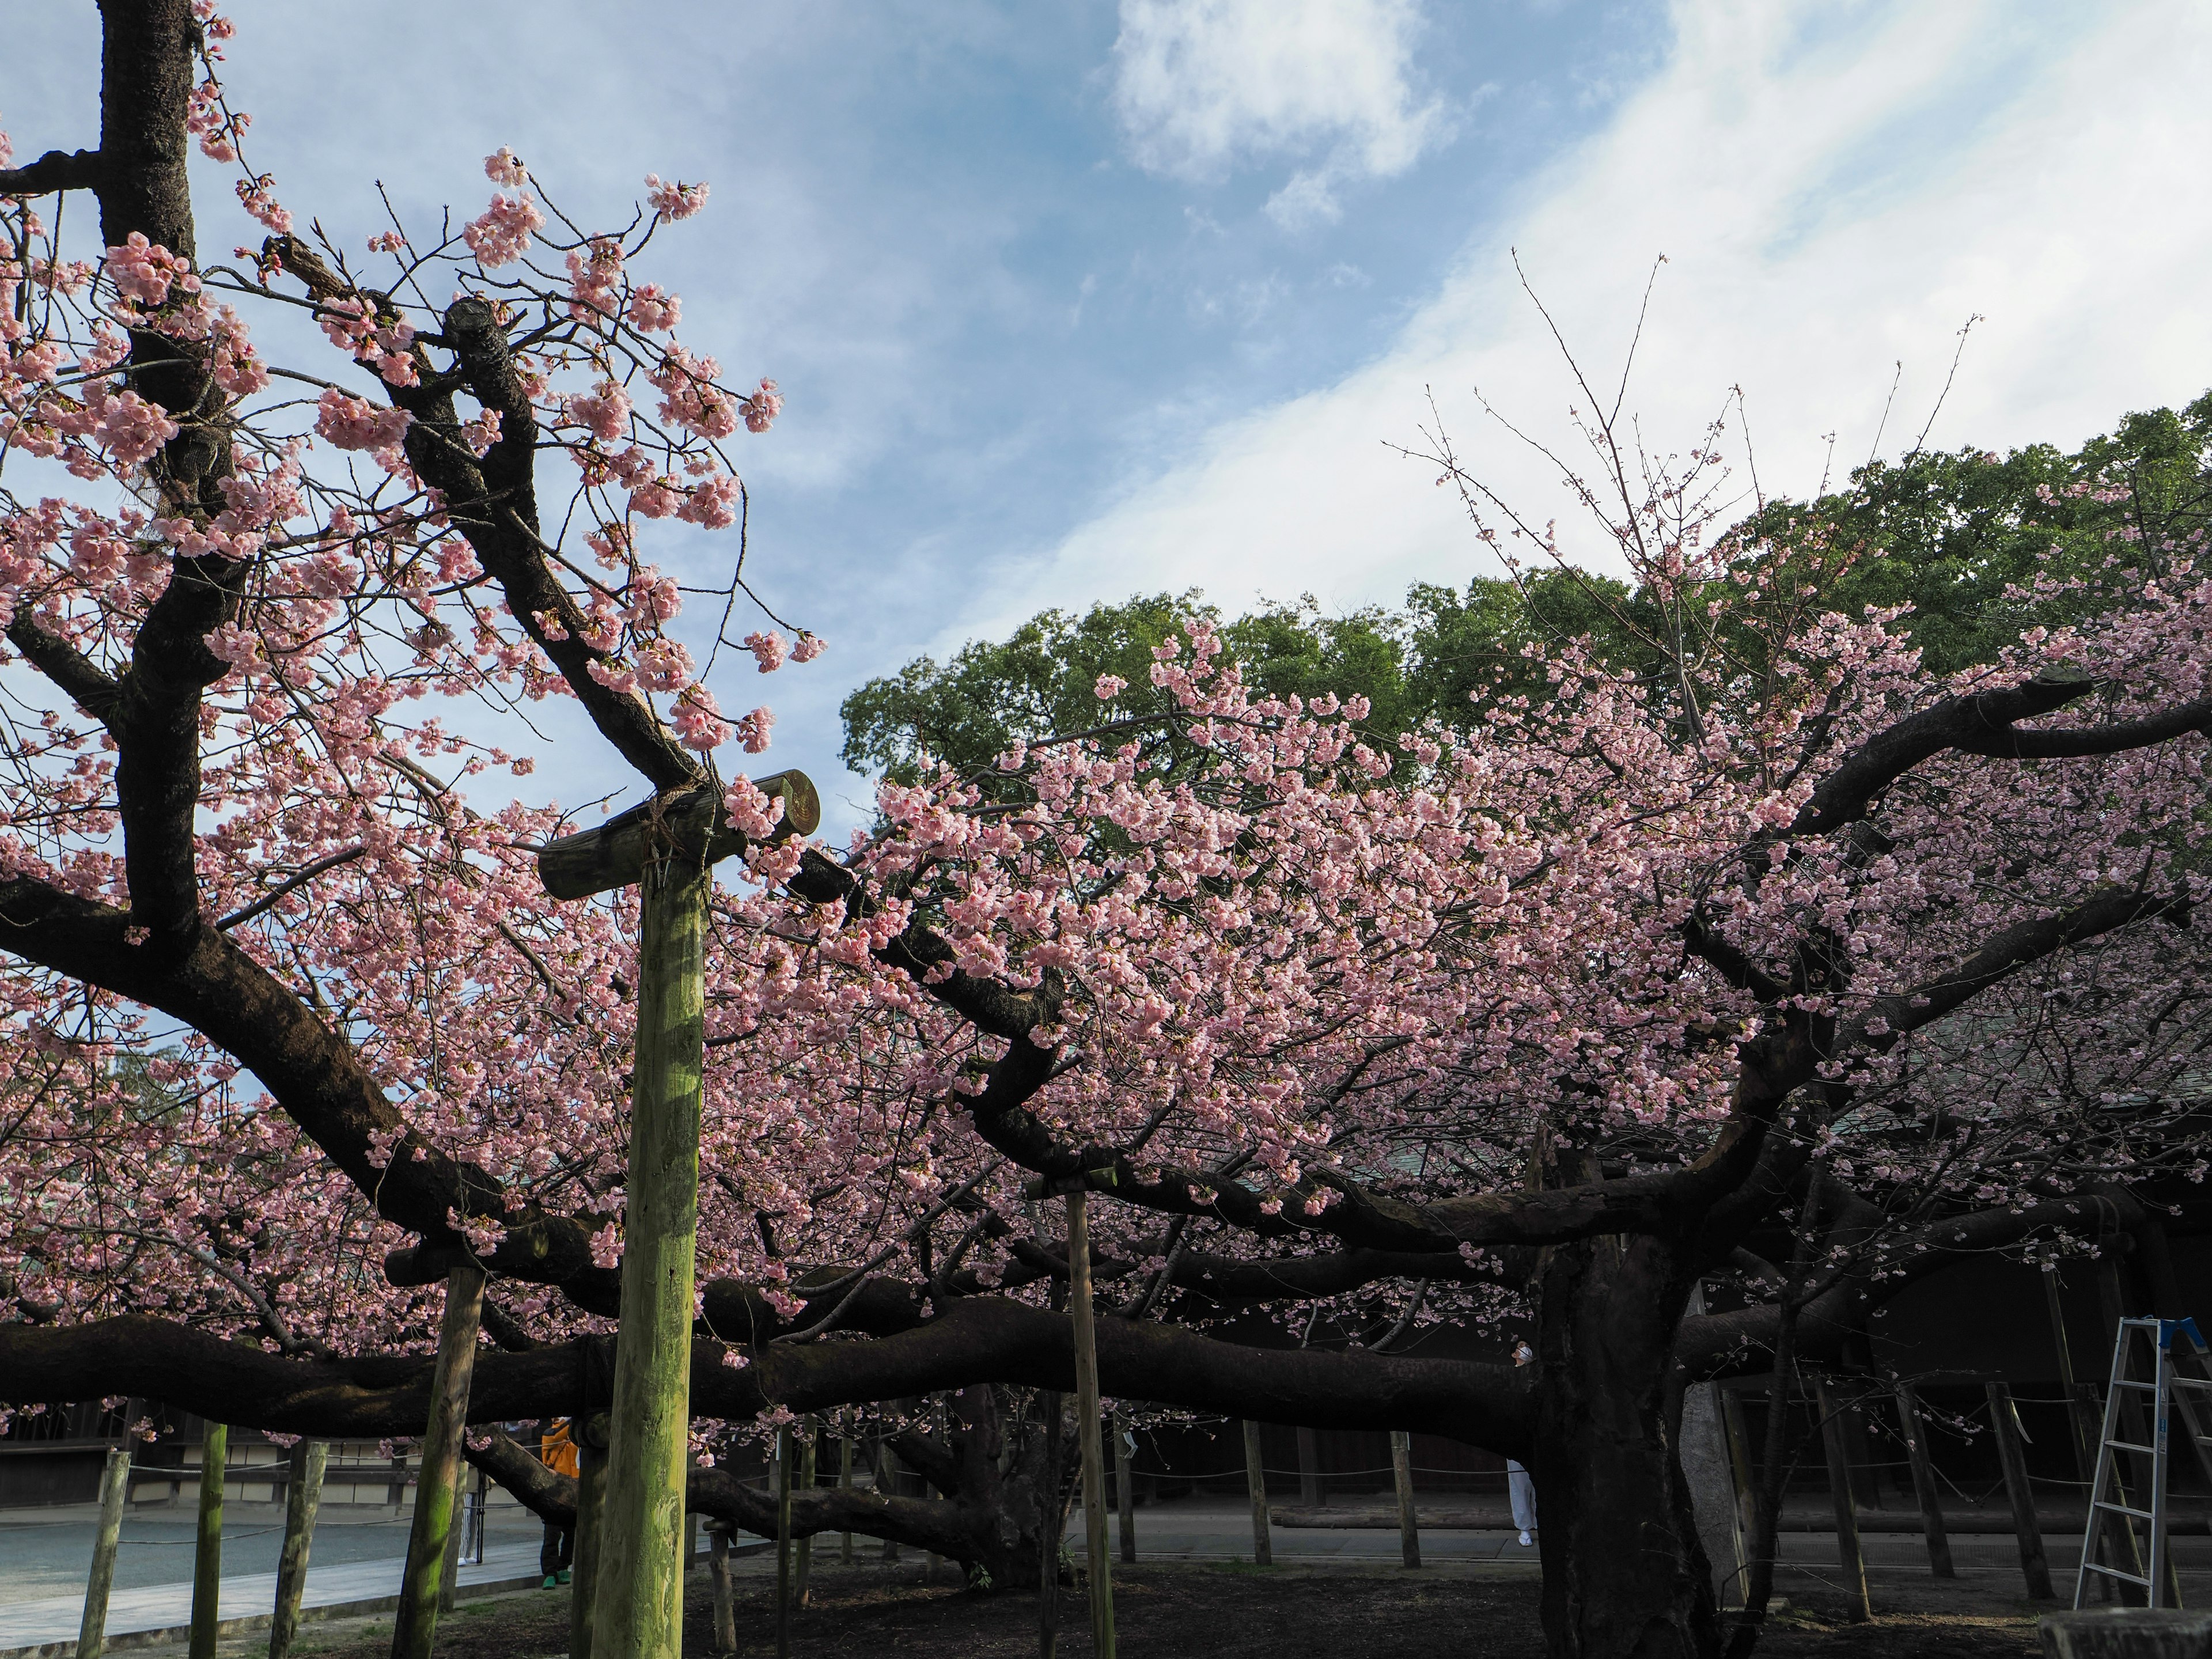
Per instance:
(1832,199)
(1205,87)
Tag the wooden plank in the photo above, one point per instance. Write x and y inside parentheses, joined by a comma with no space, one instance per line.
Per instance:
(616,853)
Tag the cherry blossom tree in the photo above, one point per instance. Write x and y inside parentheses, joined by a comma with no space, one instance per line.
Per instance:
(1550,1018)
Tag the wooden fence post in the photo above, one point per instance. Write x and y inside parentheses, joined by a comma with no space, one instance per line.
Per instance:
(414,1623)
(2004,1419)
(638,1607)
(1086,1411)
(1401,1476)
(1255,1481)
(303,1496)
(1923,1483)
(1125,1490)
(1849,1557)
(207,1550)
(115,1485)
(590,1434)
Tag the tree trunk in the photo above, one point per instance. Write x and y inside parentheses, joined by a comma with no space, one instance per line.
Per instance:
(1625,1576)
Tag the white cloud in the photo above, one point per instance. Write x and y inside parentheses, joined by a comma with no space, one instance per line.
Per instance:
(1203,87)
(1832,199)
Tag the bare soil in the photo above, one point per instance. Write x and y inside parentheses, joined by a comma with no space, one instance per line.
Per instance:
(1168,1612)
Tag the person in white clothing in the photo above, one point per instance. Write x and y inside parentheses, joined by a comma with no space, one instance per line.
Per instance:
(1522,1490)
(1519,1486)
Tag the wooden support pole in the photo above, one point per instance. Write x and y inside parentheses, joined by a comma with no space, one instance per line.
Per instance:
(1849,1559)
(638,1607)
(1914,1431)
(781,1474)
(2004,1419)
(449,1570)
(590,1434)
(414,1623)
(1125,1490)
(303,1496)
(845,1483)
(804,1548)
(114,1485)
(1256,1482)
(718,1569)
(1086,1397)
(1308,1468)
(1051,1524)
(1401,1476)
(887,1479)
(207,1551)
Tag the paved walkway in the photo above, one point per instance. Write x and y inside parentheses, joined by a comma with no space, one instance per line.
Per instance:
(44,1554)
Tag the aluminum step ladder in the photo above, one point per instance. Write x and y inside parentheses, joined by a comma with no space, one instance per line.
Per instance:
(2170,1343)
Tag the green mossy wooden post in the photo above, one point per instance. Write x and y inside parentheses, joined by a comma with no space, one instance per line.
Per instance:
(449,1567)
(638,1609)
(845,1483)
(667,847)
(805,1547)
(114,1483)
(303,1496)
(1402,1480)
(782,1486)
(1125,1491)
(1925,1489)
(590,1435)
(414,1623)
(207,1551)
(1051,1521)
(1850,1558)
(1086,1395)
(2005,1421)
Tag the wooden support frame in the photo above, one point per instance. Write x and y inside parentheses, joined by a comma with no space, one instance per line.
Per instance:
(114,1486)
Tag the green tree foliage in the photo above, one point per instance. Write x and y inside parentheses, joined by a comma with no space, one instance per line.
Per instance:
(1954,535)
(1962,538)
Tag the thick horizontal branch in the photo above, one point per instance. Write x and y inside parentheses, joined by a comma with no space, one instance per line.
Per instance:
(56,170)
(977,1341)
(1844,796)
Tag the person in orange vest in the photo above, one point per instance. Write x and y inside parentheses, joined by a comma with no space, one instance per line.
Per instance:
(556,1449)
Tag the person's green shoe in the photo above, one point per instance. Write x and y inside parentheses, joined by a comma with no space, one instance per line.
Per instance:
(548,1584)
(562,1575)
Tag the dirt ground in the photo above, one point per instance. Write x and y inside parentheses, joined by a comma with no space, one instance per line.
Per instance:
(1187,1612)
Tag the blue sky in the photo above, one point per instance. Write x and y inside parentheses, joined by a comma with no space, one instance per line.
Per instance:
(1070,300)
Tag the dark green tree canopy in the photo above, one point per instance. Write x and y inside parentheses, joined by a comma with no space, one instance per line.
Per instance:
(1963,539)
